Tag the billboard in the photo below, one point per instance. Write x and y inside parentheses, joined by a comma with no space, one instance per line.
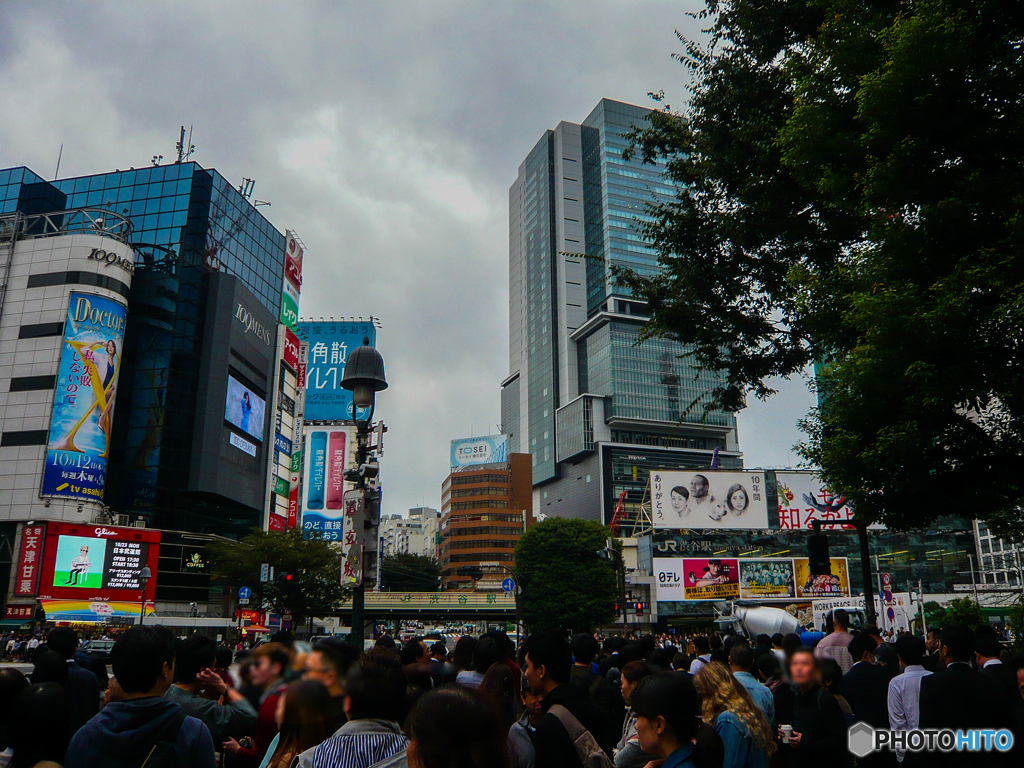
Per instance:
(803,498)
(83,405)
(244,408)
(94,564)
(767,578)
(696,578)
(29,563)
(471,451)
(708,499)
(293,259)
(835,584)
(330,343)
(328,453)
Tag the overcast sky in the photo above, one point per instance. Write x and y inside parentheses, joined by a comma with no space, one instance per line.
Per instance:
(386,134)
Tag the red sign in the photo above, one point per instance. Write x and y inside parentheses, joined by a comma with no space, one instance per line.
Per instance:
(19,612)
(300,371)
(293,261)
(293,506)
(96,562)
(291,349)
(31,560)
(277,522)
(255,617)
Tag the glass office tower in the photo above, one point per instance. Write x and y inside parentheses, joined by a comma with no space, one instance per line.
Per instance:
(595,410)
(190,224)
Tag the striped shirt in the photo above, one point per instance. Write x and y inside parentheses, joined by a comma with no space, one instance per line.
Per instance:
(357,744)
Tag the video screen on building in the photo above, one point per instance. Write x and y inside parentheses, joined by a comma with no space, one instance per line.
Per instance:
(95,563)
(244,408)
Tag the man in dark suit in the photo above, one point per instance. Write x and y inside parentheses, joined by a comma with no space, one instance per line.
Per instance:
(932,661)
(957,698)
(866,688)
(82,687)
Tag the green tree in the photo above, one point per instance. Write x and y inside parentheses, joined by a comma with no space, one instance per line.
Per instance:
(410,573)
(566,583)
(314,564)
(963,610)
(1015,621)
(934,613)
(852,196)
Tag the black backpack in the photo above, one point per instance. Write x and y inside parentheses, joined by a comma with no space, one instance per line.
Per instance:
(162,753)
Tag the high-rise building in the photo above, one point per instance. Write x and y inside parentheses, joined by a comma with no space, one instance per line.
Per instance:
(204,309)
(595,410)
(486,505)
(140,313)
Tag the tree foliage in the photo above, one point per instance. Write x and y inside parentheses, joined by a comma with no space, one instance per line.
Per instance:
(315,566)
(410,573)
(566,583)
(963,610)
(852,188)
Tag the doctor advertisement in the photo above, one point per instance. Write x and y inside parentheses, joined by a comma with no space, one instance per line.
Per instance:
(83,404)
(708,499)
(834,584)
(767,578)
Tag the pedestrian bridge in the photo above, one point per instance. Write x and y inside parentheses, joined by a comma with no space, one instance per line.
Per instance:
(419,605)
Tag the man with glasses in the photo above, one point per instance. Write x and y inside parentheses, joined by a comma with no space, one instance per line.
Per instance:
(328,663)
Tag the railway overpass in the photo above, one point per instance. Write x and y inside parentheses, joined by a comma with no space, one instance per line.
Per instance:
(436,606)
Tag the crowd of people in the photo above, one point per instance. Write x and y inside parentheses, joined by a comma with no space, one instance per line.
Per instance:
(674,701)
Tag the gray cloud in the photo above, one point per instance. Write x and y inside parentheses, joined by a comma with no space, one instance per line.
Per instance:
(386,134)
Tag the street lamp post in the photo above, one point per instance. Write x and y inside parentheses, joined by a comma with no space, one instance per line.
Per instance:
(144,576)
(364,377)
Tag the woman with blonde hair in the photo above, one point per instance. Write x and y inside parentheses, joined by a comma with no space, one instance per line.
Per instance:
(730,710)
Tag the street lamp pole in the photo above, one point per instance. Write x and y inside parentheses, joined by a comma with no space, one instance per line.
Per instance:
(364,378)
(144,576)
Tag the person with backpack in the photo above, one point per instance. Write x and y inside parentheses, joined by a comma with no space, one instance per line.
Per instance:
(144,728)
(574,731)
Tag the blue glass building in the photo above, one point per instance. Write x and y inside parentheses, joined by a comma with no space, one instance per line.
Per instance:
(196,237)
(596,410)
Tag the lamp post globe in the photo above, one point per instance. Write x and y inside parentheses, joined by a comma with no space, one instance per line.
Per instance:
(364,375)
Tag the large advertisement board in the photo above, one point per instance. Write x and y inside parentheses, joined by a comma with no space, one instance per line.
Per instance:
(83,405)
(834,584)
(708,499)
(803,498)
(472,451)
(696,578)
(330,343)
(767,578)
(328,452)
(91,570)
(244,408)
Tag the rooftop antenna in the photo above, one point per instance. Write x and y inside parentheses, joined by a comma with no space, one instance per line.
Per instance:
(184,149)
(246,187)
(59,155)
(156,159)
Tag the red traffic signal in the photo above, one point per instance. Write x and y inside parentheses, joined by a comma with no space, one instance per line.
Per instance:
(639,609)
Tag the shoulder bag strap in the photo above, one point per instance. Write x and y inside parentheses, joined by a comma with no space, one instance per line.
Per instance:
(568,720)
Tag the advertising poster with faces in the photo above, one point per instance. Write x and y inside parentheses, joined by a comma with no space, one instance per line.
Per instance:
(708,499)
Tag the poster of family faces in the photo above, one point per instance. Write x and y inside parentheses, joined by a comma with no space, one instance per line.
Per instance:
(708,499)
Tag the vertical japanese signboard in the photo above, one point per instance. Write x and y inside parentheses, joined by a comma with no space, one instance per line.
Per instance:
(328,455)
(29,561)
(330,343)
(352,539)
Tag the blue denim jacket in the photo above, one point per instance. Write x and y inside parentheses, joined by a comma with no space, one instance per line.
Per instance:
(740,750)
(681,758)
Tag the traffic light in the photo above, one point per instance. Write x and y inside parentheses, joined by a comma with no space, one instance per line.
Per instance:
(285,577)
(618,609)
(818,560)
(639,609)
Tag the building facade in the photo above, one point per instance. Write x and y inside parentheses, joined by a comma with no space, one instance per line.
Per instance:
(167,411)
(416,534)
(485,508)
(593,409)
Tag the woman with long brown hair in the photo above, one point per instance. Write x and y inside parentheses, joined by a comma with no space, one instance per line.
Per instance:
(730,710)
(305,717)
